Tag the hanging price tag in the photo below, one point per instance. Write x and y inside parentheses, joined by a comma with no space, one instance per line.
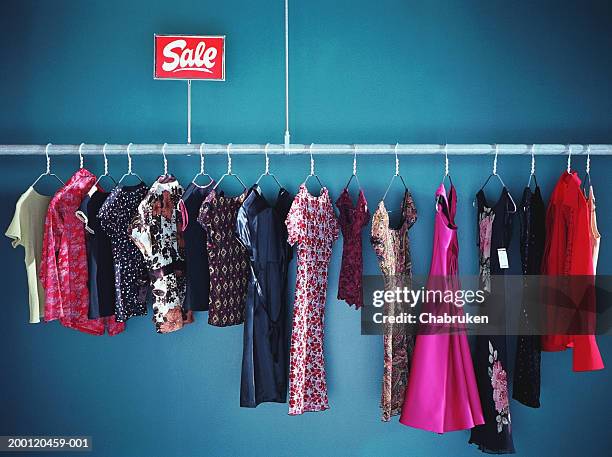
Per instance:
(502,255)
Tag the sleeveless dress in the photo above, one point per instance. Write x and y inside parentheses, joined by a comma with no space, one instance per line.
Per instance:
(442,395)
(490,355)
(312,225)
(392,247)
(595,236)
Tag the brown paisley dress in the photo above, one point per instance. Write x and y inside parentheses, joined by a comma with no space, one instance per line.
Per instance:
(392,248)
(228,259)
(155,230)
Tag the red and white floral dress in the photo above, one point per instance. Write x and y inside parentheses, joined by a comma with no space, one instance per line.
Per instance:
(312,224)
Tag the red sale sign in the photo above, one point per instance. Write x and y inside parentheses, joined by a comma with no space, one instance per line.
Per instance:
(189,57)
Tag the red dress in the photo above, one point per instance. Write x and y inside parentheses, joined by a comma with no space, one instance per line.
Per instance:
(352,221)
(312,224)
(63,271)
(568,252)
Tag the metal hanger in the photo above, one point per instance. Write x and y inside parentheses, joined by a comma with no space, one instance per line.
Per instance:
(105,169)
(48,170)
(201,172)
(312,169)
(129,170)
(396,175)
(587,175)
(267,170)
(163,151)
(229,170)
(446,166)
(569,159)
(494,173)
(81,155)
(354,175)
(532,172)
(446,175)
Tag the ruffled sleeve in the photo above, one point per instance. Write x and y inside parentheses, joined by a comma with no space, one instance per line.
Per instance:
(295,220)
(108,213)
(205,214)
(243,230)
(139,230)
(378,232)
(334,226)
(363,209)
(410,210)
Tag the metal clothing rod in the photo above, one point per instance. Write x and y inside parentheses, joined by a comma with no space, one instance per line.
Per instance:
(320,149)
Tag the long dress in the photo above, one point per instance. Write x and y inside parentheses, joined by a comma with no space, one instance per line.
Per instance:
(392,247)
(569,252)
(261,228)
(442,395)
(312,225)
(352,219)
(532,214)
(490,356)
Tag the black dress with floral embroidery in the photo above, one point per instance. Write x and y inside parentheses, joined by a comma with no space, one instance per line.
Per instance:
(490,358)
(155,230)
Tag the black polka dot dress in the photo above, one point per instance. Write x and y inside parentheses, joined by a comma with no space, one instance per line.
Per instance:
(131,276)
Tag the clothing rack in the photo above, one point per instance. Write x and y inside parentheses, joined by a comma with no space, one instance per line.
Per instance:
(319,149)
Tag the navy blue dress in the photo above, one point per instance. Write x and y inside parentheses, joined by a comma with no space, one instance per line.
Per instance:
(265,358)
(196,252)
(99,258)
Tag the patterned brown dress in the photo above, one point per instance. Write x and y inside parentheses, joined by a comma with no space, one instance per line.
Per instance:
(228,260)
(392,248)
(155,230)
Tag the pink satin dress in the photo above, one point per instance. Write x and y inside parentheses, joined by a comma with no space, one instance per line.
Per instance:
(442,394)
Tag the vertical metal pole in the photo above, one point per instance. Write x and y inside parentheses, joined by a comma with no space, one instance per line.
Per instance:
(189,111)
(287,135)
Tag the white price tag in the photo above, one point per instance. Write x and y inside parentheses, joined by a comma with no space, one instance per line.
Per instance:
(502,255)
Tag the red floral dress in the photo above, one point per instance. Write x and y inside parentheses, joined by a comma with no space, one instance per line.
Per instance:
(352,221)
(63,271)
(311,224)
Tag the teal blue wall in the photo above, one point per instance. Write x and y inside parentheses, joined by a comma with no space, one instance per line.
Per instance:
(361,71)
